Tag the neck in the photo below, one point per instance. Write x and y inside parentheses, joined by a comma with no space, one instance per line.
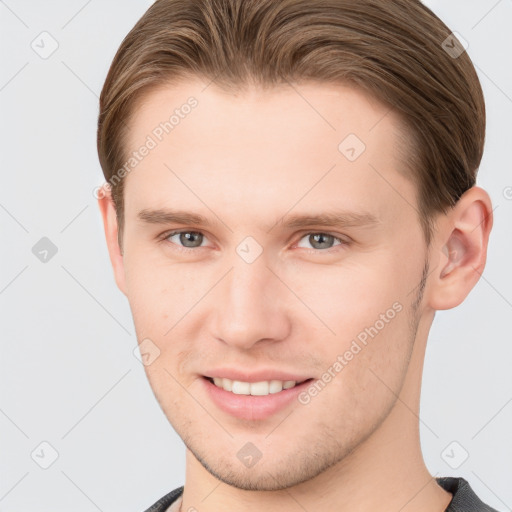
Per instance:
(386,472)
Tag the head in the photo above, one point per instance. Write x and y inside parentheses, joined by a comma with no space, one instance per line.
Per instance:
(318,161)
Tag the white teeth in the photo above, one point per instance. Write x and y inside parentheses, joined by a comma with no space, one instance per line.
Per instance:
(275,386)
(241,388)
(261,388)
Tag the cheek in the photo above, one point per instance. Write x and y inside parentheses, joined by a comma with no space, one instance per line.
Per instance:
(155,289)
(367,377)
(351,297)
(161,296)
(366,308)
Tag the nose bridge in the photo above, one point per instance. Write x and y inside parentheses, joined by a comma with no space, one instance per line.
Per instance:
(248,308)
(247,284)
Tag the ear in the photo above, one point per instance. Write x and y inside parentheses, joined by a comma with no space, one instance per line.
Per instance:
(462,240)
(108,213)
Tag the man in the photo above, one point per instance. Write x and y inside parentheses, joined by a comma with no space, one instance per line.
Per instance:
(291,196)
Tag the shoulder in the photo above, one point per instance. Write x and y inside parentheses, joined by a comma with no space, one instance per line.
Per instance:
(464,498)
(166,501)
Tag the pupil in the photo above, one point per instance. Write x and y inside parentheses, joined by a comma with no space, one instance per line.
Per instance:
(323,238)
(188,237)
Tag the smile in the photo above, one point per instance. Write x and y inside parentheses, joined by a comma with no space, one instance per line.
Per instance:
(253,401)
(262,388)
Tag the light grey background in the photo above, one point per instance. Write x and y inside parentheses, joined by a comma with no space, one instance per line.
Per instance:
(68,373)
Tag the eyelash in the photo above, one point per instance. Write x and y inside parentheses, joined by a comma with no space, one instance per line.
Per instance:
(165,236)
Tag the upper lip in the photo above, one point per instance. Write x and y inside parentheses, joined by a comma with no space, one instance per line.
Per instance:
(254,375)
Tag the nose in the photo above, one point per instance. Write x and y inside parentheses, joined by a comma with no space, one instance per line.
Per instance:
(251,306)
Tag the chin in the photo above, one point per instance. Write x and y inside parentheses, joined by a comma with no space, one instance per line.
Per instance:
(273,472)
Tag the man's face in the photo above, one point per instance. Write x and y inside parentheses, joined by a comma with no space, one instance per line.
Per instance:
(256,297)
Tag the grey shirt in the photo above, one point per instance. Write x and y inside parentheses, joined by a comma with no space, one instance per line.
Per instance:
(464,498)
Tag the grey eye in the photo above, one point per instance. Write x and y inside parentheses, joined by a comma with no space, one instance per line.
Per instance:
(320,240)
(189,239)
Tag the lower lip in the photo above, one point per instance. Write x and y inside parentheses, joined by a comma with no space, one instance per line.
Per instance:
(249,407)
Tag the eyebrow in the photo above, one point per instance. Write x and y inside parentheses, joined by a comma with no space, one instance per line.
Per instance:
(335,218)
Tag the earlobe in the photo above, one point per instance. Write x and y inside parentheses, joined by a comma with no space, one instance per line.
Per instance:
(463,242)
(110,225)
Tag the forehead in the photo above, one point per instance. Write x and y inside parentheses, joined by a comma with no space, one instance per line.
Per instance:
(262,147)
(331,108)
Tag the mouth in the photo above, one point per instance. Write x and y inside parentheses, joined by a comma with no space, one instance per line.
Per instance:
(261,388)
(253,401)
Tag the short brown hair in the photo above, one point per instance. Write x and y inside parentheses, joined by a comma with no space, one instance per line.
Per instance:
(395,50)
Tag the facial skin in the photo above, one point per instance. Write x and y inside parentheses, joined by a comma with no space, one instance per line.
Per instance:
(248,162)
